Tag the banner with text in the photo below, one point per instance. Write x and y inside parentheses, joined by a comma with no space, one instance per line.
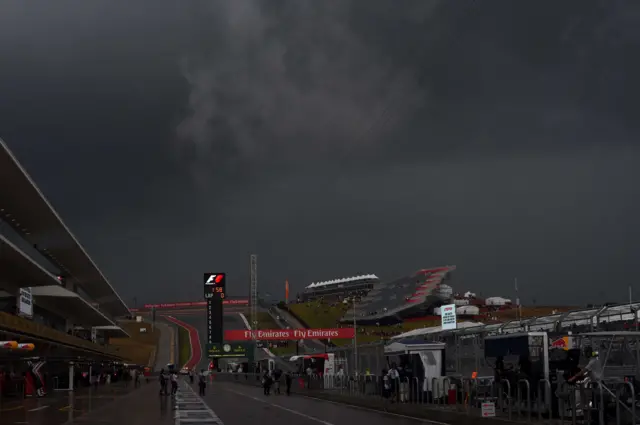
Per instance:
(25,303)
(196,304)
(288,334)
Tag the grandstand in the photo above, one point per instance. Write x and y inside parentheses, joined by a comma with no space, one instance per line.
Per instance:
(340,287)
(406,304)
(52,294)
(409,296)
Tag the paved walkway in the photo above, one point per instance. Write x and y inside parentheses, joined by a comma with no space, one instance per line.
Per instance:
(241,405)
(243,402)
(116,405)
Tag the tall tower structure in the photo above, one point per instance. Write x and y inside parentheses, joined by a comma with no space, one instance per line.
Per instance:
(254,294)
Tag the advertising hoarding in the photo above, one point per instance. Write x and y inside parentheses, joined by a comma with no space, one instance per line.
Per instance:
(231,349)
(449,319)
(25,303)
(289,334)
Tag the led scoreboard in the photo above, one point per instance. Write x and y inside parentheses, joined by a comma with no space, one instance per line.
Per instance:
(214,293)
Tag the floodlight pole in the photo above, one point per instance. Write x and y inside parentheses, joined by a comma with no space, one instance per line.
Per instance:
(355,339)
(254,296)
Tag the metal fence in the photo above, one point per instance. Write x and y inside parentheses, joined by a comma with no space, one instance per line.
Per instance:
(476,398)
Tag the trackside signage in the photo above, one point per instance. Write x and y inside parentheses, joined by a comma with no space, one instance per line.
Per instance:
(448,313)
(288,334)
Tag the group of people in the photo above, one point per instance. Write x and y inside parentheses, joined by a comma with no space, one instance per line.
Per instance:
(165,378)
(272,378)
(172,377)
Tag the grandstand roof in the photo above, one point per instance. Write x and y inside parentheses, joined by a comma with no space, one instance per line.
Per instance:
(343,280)
(19,269)
(63,301)
(434,329)
(26,209)
(437,269)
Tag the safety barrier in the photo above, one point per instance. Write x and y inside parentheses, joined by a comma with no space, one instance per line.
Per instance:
(524,402)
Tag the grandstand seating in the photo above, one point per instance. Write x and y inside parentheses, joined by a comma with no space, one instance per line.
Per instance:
(340,287)
(413,294)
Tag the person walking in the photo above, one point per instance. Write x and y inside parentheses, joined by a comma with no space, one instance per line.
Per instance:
(174,383)
(163,382)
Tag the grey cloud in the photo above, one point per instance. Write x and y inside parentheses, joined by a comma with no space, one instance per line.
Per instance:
(289,84)
(315,80)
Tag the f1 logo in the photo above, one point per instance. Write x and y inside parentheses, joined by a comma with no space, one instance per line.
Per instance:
(213,278)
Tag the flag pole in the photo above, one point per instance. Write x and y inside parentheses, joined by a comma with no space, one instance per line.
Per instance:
(519,311)
(355,338)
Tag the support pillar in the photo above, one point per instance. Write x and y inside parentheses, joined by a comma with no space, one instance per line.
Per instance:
(71,376)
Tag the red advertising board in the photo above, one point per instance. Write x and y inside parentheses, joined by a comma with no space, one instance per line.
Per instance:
(289,334)
(241,301)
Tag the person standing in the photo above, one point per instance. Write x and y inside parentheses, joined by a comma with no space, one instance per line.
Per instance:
(287,380)
(135,378)
(277,374)
(266,382)
(202,382)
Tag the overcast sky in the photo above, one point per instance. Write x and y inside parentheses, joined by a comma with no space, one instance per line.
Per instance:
(334,138)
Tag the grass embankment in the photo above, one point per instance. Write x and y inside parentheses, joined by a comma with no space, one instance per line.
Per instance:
(142,347)
(322,315)
(184,346)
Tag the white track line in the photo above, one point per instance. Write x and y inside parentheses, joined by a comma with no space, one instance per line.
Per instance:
(295,412)
(204,404)
(382,412)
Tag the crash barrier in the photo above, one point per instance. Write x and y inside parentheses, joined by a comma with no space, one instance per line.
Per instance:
(524,401)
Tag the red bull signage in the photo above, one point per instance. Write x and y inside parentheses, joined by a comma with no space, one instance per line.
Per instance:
(288,334)
(449,320)
(563,343)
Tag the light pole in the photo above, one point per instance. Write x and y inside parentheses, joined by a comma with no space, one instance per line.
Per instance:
(355,339)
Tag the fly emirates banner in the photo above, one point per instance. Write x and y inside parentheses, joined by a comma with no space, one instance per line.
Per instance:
(286,334)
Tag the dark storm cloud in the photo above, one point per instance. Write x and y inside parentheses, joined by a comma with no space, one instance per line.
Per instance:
(334,138)
(314,79)
(288,80)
